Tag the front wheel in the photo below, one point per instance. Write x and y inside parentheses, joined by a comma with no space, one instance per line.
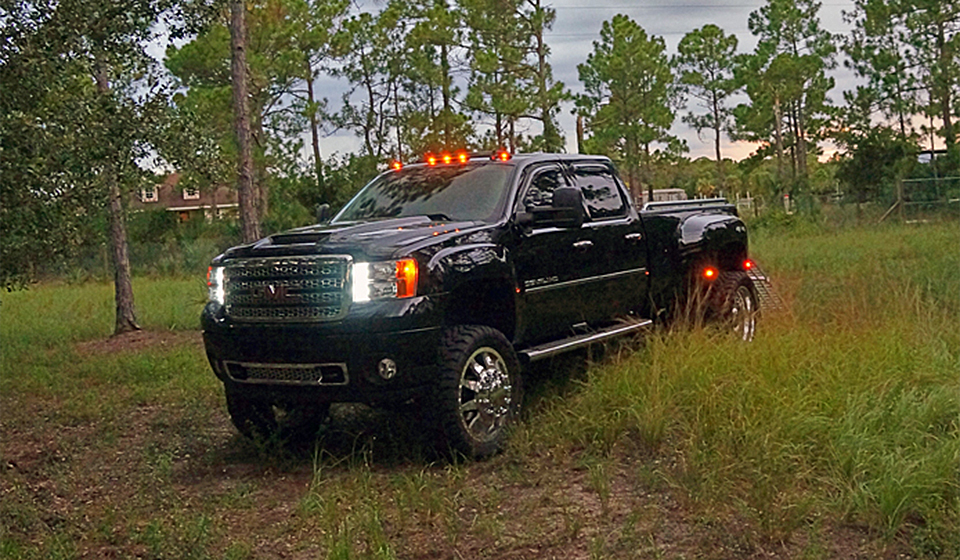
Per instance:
(478,392)
(735,304)
(261,419)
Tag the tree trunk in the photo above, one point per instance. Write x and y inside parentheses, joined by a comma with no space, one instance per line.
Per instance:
(646,172)
(718,130)
(579,134)
(801,143)
(944,87)
(261,188)
(551,137)
(315,137)
(778,135)
(246,194)
(126,317)
(396,112)
(445,91)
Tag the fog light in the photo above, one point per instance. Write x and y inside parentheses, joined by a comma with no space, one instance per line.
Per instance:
(387,368)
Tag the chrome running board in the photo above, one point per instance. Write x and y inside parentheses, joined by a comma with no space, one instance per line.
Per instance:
(565,345)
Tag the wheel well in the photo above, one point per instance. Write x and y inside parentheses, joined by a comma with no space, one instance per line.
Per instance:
(490,304)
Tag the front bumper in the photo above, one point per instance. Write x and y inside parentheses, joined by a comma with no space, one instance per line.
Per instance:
(345,354)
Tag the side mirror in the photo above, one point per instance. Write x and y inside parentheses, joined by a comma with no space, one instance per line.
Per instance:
(568,202)
(323,213)
(566,212)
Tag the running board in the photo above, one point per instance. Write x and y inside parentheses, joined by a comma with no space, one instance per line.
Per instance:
(572,343)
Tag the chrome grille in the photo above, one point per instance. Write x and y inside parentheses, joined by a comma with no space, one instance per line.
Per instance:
(289,289)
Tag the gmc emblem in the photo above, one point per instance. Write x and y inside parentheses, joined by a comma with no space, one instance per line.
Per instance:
(274,294)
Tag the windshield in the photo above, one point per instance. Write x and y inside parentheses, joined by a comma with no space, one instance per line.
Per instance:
(460,193)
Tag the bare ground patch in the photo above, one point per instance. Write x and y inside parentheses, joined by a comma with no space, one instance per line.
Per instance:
(137,341)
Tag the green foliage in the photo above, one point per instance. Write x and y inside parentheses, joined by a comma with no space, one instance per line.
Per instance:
(705,65)
(787,83)
(510,78)
(61,140)
(876,162)
(628,96)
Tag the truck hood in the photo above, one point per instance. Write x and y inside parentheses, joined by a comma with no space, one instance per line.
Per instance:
(377,239)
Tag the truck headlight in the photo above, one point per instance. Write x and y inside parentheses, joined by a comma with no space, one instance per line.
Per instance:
(215,284)
(391,279)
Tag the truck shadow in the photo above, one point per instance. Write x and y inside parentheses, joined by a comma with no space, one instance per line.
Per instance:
(403,434)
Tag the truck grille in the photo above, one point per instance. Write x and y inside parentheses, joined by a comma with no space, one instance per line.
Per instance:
(290,289)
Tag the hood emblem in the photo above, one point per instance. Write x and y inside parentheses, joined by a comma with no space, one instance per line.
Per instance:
(274,293)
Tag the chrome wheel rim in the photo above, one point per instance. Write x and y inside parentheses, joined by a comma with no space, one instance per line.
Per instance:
(486,394)
(743,313)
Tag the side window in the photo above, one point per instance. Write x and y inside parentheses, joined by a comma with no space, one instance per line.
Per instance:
(600,192)
(540,191)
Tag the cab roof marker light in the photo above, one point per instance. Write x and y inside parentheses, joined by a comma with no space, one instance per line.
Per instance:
(396,165)
(463,157)
(447,158)
(431,159)
(501,155)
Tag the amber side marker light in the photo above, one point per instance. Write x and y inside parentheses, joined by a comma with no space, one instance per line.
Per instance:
(710,273)
(407,274)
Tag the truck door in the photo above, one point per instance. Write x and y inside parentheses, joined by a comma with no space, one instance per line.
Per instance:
(615,272)
(548,264)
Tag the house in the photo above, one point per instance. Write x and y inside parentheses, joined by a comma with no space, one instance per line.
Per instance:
(213,203)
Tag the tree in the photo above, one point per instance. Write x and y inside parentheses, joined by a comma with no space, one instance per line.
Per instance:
(786,79)
(312,26)
(500,76)
(547,93)
(246,195)
(706,64)
(361,47)
(933,47)
(85,56)
(875,162)
(433,55)
(875,52)
(627,99)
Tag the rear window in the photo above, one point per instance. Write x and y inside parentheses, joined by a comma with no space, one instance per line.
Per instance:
(467,192)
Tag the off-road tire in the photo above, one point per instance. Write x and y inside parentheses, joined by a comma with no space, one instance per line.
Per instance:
(265,420)
(734,304)
(478,393)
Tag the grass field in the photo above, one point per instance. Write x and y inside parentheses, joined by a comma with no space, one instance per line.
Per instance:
(835,434)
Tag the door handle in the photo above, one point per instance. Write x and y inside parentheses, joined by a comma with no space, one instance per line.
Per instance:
(633,236)
(585,244)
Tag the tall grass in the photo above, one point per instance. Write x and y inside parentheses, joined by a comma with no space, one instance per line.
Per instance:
(847,405)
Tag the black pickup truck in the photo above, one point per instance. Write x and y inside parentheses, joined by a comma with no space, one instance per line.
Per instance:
(440,280)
